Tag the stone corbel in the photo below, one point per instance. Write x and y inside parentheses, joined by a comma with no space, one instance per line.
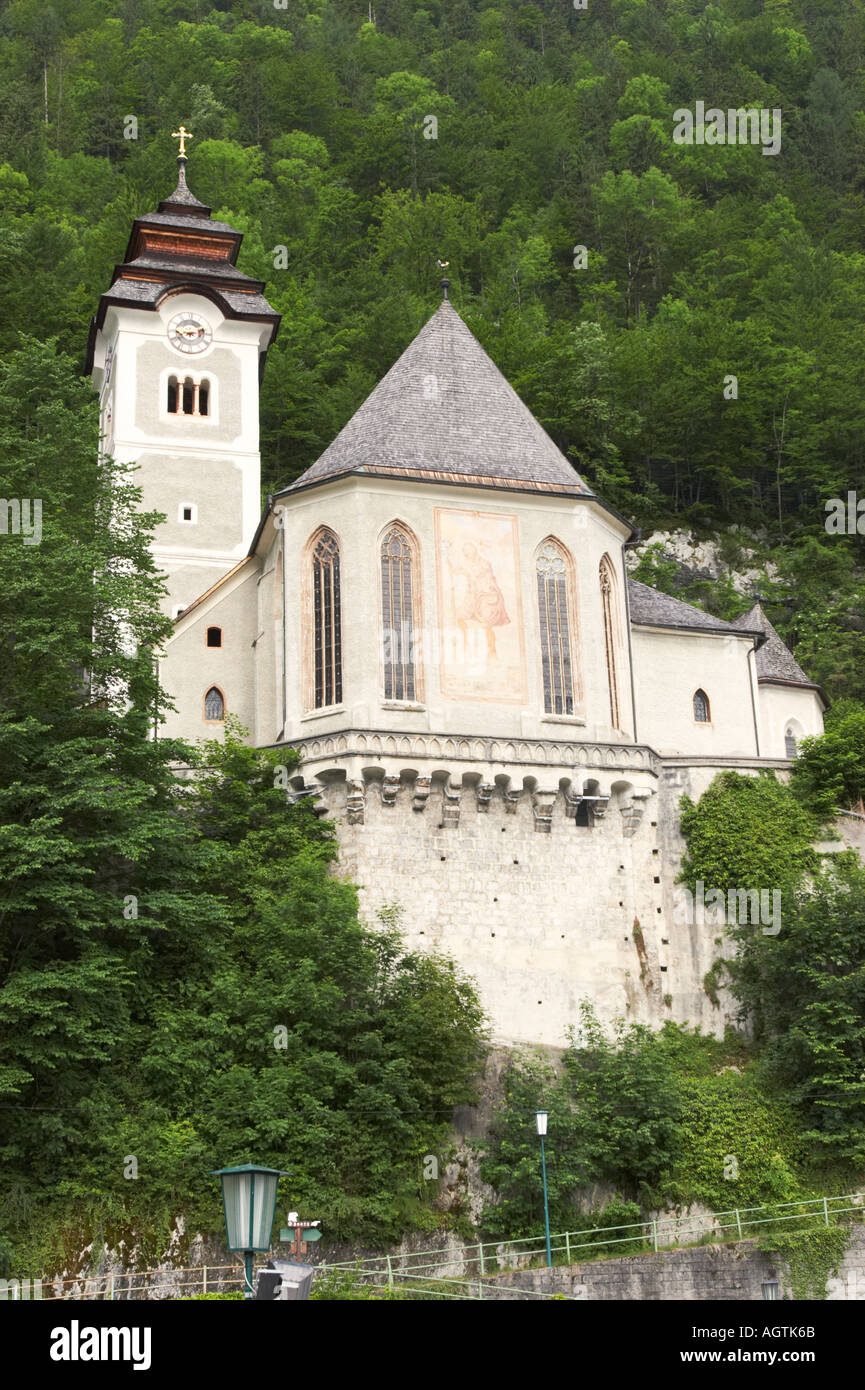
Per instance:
(451,805)
(484,791)
(633,811)
(512,798)
(355,802)
(572,804)
(389,789)
(543,804)
(599,806)
(420,793)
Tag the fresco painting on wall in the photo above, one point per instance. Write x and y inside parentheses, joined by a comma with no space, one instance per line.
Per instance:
(482,649)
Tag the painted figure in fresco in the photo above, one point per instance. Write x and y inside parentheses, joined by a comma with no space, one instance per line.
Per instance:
(482,602)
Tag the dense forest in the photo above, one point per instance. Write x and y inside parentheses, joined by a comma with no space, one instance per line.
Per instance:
(356,143)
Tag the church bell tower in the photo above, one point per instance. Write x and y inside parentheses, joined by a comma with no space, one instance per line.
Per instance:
(176,351)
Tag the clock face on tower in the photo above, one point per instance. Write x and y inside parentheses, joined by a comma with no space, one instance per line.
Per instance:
(189,332)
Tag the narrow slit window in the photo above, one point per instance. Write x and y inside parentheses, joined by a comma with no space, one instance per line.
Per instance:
(611,636)
(214,637)
(188,396)
(204,398)
(555,626)
(790,743)
(397,616)
(214,705)
(172,395)
(327,622)
(701,707)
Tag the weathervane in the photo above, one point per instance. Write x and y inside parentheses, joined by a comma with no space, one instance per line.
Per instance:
(182,135)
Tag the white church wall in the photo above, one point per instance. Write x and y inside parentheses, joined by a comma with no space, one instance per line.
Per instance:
(190,667)
(358,511)
(787,706)
(670,666)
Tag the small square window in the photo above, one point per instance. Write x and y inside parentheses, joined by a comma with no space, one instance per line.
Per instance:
(187,512)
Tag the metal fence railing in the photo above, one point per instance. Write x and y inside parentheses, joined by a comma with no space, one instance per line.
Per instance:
(461,1274)
(487,1257)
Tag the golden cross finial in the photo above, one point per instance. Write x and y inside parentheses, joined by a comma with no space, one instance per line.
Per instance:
(182,135)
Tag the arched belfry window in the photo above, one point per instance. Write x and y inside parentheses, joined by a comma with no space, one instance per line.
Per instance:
(612,645)
(326,621)
(553,566)
(399,598)
(214,704)
(701,707)
(188,397)
(790,743)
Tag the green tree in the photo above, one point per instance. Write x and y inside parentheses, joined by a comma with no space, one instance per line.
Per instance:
(829,771)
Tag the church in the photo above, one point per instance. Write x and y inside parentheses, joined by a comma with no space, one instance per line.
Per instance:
(438,615)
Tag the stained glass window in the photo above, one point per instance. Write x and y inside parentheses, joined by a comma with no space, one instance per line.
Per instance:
(701,707)
(611,641)
(397,616)
(556,655)
(327,622)
(214,705)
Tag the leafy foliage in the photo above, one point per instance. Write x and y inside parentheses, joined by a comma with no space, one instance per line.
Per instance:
(183,982)
(663,1119)
(812,1256)
(829,771)
(747,832)
(803,988)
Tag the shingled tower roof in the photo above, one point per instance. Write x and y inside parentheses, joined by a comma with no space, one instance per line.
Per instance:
(180,247)
(444,412)
(775,662)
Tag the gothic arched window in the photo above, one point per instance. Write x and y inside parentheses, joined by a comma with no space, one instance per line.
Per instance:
(609,607)
(790,743)
(552,565)
(214,704)
(398,599)
(327,622)
(701,707)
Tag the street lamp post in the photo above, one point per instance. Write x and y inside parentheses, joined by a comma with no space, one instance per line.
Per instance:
(541,1122)
(249,1203)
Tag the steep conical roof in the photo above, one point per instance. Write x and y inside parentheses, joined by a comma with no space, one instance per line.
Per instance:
(775,661)
(444,411)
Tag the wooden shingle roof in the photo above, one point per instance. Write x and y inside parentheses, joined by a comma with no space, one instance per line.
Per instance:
(444,412)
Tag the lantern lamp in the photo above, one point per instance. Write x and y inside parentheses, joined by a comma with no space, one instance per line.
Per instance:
(249,1204)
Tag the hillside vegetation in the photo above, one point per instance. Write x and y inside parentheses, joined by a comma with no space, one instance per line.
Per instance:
(552,131)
